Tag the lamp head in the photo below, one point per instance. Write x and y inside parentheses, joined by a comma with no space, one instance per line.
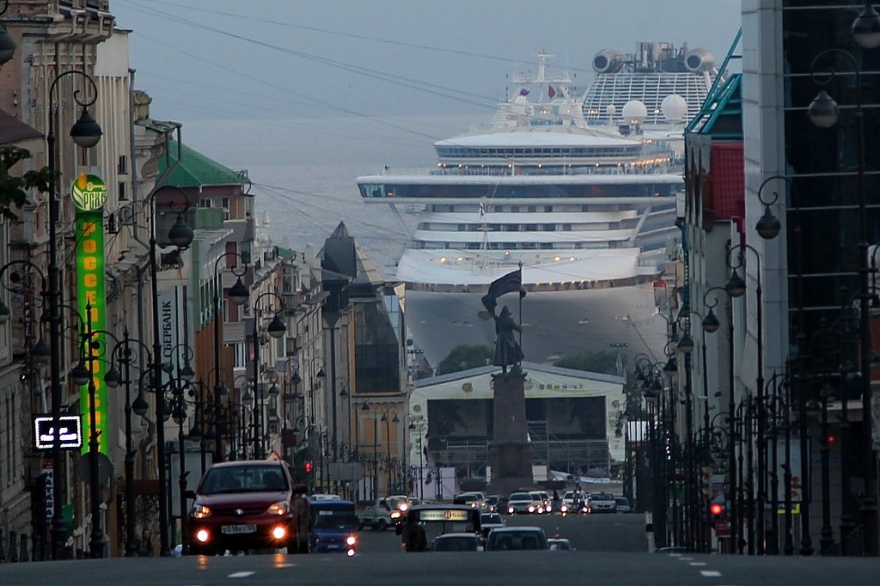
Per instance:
(686,343)
(140,405)
(711,323)
(823,110)
(41,351)
(238,293)
(86,132)
(866,27)
(735,286)
(112,378)
(7,45)
(768,227)
(80,374)
(181,234)
(276,327)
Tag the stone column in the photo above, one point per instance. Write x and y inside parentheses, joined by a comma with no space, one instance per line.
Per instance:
(510,453)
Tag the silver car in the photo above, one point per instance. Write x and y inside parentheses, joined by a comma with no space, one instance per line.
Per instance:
(603,502)
(522,503)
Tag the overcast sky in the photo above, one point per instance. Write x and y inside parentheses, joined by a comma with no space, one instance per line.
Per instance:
(285,65)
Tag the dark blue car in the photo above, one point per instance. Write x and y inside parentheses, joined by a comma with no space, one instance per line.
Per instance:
(333,527)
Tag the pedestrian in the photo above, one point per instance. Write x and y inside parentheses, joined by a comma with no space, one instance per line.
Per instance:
(145,548)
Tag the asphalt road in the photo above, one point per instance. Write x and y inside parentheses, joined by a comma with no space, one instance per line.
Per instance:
(602,556)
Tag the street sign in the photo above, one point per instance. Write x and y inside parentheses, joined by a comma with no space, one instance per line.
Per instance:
(68,431)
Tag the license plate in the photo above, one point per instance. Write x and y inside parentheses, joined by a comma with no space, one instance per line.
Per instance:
(332,547)
(238,529)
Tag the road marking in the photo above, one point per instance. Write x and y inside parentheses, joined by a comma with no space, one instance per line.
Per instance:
(686,559)
(698,563)
(240,575)
(710,573)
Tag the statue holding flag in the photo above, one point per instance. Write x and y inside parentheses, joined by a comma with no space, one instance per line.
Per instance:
(508,351)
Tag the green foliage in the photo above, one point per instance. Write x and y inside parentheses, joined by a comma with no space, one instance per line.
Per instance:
(464,357)
(13,190)
(603,362)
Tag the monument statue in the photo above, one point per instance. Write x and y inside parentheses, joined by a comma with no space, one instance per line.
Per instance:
(507,349)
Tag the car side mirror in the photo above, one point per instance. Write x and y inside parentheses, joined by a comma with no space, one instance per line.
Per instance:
(300,488)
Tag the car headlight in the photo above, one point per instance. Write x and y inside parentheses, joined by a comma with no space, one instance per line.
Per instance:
(396,514)
(200,512)
(350,540)
(403,507)
(279,508)
(510,510)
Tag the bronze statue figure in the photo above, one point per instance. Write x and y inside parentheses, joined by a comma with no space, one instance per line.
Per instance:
(507,349)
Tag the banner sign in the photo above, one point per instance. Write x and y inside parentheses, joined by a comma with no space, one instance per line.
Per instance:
(89,194)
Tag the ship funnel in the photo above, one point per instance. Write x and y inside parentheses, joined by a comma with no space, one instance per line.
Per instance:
(607,61)
(699,60)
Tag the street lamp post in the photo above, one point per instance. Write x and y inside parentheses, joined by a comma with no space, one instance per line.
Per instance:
(710,325)
(276,329)
(81,375)
(824,112)
(238,294)
(387,422)
(418,425)
(85,133)
(121,354)
(180,235)
(736,287)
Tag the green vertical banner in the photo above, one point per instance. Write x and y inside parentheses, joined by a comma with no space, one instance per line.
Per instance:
(89,194)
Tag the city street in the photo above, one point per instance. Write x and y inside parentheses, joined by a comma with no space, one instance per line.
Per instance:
(611,549)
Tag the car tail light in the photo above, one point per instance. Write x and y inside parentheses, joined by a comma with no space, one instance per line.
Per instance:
(350,551)
(350,540)
(202,535)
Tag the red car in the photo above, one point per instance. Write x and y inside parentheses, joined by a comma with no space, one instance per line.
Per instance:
(249,505)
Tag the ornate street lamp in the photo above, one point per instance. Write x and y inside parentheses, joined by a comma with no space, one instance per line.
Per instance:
(824,112)
(239,295)
(276,329)
(85,133)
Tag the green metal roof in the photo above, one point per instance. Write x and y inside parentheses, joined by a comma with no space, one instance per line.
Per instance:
(724,116)
(197,170)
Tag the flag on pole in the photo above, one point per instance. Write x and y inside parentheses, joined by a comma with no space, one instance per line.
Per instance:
(524,91)
(507,284)
(551,92)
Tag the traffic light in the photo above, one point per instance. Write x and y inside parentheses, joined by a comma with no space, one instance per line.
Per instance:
(308,467)
(706,480)
(717,512)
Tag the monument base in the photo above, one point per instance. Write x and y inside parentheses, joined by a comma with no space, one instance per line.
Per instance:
(510,454)
(511,468)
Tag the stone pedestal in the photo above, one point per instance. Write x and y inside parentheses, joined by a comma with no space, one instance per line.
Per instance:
(510,452)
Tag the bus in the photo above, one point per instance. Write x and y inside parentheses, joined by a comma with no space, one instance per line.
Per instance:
(424,523)
(333,527)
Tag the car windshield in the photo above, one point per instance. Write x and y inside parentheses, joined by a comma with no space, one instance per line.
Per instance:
(333,518)
(603,497)
(237,479)
(520,496)
(622,501)
(394,502)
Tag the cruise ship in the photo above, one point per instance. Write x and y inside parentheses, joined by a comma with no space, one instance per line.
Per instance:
(578,189)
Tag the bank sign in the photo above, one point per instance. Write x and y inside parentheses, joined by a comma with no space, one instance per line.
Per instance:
(89,192)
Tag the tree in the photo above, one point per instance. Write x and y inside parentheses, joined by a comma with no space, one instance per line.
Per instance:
(603,362)
(464,357)
(13,189)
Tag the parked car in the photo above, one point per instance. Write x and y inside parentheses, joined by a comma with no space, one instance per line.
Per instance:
(249,505)
(603,502)
(522,503)
(516,538)
(623,504)
(457,542)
